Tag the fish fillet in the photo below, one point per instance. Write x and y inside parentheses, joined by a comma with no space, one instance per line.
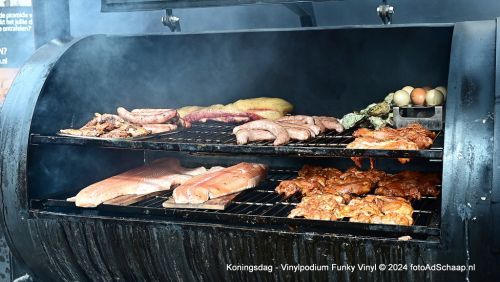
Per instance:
(223,182)
(157,176)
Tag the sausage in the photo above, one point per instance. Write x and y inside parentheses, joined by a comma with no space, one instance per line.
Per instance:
(331,123)
(320,124)
(313,129)
(298,133)
(146,119)
(159,128)
(277,130)
(297,119)
(244,136)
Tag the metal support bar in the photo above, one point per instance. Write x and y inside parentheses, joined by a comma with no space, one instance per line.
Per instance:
(305,11)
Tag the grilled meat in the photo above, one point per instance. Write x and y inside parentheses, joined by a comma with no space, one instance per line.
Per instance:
(353,186)
(277,130)
(411,137)
(319,207)
(305,186)
(328,172)
(319,180)
(370,209)
(243,136)
(414,133)
(409,184)
(314,130)
(330,123)
(354,181)
(221,115)
(108,126)
(389,218)
(298,119)
(116,133)
(159,128)
(330,194)
(297,133)
(300,127)
(88,132)
(379,209)
(373,143)
(372,175)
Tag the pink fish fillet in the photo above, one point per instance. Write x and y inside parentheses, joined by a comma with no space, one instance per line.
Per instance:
(223,182)
(157,176)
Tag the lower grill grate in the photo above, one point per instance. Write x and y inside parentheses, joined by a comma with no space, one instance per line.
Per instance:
(263,206)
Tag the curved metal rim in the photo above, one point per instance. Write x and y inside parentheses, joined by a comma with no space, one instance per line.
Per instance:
(15,123)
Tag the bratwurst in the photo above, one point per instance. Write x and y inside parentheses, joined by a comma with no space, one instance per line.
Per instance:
(159,128)
(243,136)
(277,130)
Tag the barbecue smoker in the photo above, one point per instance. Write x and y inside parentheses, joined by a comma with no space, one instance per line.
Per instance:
(322,71)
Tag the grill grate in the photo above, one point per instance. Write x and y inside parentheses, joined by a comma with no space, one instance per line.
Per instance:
(262,205)
(217,137)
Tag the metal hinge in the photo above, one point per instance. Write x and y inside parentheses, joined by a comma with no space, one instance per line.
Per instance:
(385,12)
(171,21)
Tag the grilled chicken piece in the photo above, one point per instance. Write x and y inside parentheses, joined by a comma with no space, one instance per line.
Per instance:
(373,143)
(115,133)
(416,133)
(355,187)
(390,218)
(373,175)
(354,181)
(108,126)
(89,132)
(379,209)
(410,185)
(319,180)
(411,137)
(319,207)
(328,172)
(305,186)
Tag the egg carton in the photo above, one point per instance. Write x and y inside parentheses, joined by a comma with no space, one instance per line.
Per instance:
(431,118)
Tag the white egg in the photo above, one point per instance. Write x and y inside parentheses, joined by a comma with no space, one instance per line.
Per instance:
(401,98)
(434,97)
(443,90)
(408,89)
